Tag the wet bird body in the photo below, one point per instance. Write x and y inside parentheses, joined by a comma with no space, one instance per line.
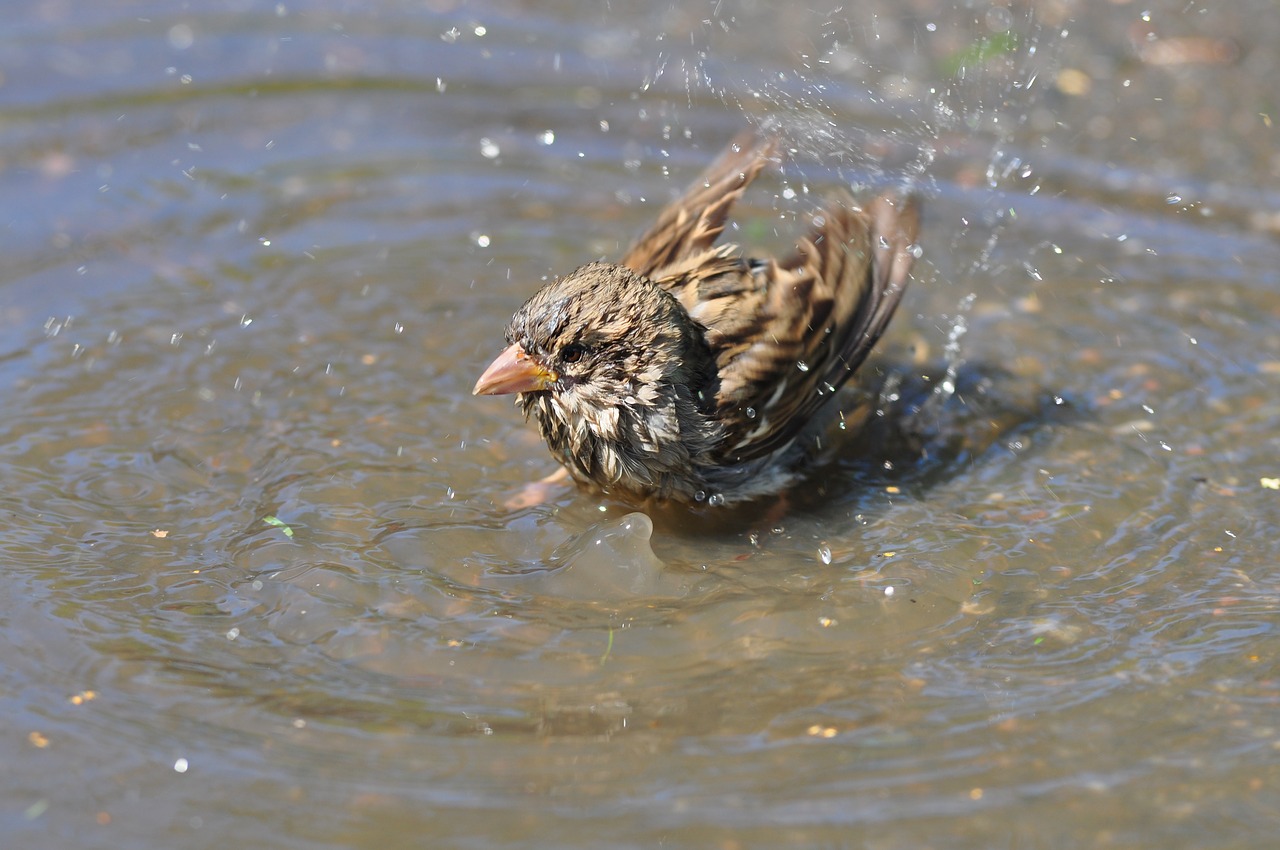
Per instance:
(688,372)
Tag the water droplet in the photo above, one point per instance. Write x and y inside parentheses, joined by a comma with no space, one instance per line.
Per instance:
(181,36)
(547,137)
(802,366)
(715,499)
(700,496)
(915,250)
(450,36)
(489,148)
(824,553)
(1173,198)
(999,19)
(750,412)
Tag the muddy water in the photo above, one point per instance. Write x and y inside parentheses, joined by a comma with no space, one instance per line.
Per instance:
(261,589)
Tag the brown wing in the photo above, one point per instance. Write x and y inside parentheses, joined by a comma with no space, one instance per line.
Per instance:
(690,225)
(788,334)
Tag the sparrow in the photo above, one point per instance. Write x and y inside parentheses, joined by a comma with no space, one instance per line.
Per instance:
(687,372)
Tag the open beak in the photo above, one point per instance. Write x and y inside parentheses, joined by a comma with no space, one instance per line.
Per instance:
(514,371)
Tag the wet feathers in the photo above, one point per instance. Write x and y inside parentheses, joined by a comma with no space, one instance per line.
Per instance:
(686,371)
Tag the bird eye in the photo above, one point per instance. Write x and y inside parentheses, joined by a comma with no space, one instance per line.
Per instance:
(573,352)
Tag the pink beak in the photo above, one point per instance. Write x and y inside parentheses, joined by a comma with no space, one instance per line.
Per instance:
(514,371)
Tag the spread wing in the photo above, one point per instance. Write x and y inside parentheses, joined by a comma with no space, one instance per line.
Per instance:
(690,225)
(809,322)
(786,333)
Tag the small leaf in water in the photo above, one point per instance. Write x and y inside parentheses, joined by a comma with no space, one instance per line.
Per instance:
(608,647)
(280,524)
(980,51)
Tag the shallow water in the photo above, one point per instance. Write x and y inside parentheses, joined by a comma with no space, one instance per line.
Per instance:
(261,586)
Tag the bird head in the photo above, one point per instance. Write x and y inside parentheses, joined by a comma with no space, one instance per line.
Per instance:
(596,338)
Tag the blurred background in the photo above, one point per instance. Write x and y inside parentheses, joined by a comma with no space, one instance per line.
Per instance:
(262,588)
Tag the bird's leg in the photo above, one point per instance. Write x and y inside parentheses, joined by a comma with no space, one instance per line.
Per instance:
(777,511)
(536,492)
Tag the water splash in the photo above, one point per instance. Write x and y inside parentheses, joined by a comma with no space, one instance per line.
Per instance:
(946,388)
(611,560)
(934,102)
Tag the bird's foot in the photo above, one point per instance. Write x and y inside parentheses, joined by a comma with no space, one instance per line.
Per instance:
(536,492)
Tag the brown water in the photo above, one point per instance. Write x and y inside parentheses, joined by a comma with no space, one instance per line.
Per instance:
(260,589)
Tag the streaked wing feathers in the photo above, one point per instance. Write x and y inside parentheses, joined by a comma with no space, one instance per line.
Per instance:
(786,333)
(692,223)
(827,306)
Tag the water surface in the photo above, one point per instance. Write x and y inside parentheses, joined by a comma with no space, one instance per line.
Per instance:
(262,588)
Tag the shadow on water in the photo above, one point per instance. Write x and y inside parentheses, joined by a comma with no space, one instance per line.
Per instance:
(898,431)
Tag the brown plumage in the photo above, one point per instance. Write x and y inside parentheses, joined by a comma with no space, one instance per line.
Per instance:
(688,372)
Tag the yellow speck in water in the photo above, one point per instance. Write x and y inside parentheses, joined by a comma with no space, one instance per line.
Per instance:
(975,793)
(1270,483)
(160,533)
(1072,81)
